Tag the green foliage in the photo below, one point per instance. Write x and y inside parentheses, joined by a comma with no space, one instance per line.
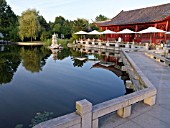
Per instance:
(44,35)
(8,21)
(44,25)
(59,20)
(41,117)
(78,63)
(33,59)
(92,26)
(9,62)
(66,29)
(80,24)
(56,28)
(34,26)
(74,37)
(47,42)
(63,54)
(45,30)
(63,42)
(28,24)
(101,18)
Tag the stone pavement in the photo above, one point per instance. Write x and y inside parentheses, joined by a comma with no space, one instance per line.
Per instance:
(143,116)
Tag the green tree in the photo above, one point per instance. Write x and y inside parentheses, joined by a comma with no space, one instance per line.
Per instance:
(66,29)
(101,18)
(9,62)
(44,31)
(8,22)
(58,25)
(34,59)
(80,24)
(59,20)
(57,28)
(28,24)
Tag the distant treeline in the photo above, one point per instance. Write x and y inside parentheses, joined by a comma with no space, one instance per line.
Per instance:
(32,26)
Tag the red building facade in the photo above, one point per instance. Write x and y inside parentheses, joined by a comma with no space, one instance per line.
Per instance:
(137,20)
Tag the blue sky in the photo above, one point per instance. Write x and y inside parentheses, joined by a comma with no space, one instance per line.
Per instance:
(73,9)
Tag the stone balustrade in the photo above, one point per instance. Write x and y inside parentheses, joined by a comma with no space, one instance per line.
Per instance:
(87,116)
(72,120)
(104,45)
(158,57)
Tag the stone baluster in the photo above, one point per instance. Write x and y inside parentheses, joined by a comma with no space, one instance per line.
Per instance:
(84,109)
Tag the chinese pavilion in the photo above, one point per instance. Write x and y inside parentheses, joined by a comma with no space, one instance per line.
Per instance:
(137,20)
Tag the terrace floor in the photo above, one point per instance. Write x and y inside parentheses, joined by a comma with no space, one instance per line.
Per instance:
(143,116)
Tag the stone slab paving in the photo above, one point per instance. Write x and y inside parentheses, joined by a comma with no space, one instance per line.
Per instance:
(143,116)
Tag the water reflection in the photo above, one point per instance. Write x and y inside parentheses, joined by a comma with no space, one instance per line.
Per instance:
(103,59)
(34,59)
(41,84)
(9,62)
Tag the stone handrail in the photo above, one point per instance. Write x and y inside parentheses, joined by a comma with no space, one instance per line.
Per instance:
(72,120)
(88,115)
(157,57)
(123,104)
(103,44)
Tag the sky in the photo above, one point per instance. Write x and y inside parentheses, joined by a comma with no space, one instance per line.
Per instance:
(73,9)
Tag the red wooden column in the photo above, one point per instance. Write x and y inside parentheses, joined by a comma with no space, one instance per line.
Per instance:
(136,30)
(154,35)
(167,24)
(117,35)
(101,29)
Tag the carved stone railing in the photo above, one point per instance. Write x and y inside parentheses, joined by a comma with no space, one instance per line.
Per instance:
(158,57)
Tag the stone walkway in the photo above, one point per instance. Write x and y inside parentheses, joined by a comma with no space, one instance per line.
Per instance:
(143,116)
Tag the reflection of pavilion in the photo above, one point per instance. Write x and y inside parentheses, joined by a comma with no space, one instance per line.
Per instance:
(116,70)
(111,68)
(54,52)
(109,55)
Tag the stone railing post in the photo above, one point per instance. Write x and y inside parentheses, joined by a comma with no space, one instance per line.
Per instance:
(124,112)
(150,100)
(123,68)
(129,84)
(84,109)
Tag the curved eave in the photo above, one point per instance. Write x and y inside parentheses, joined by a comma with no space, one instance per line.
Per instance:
(101,22)
(166,18)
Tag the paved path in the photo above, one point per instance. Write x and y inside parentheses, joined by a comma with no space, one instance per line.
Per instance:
(143,116)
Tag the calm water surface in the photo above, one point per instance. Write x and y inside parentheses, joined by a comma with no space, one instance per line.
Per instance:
(34,80)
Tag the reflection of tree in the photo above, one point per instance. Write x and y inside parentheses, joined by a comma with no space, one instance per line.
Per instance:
(10,59)
(100,57)
(63,54)
(78,63)
(34,58)
(74,53)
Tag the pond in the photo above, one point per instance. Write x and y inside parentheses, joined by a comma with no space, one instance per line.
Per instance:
(37,80)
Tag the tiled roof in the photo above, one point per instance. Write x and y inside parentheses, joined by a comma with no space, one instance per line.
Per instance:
(143,15)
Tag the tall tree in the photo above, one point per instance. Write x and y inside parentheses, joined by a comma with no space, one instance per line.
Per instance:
(66,29)
(29,24)
(44,32)
(58,24)
(101,18)
(80,24)
(59,20)
(8,21)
